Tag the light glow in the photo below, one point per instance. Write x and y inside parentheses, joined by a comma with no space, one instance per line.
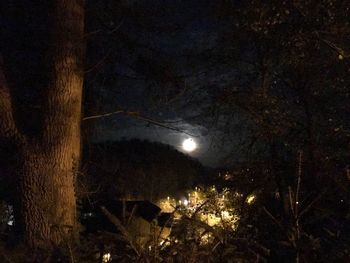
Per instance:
(106,257)
(250,199)
(189,145)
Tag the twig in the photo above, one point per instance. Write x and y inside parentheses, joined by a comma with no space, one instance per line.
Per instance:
(99,63)
(133,211)
(298,183)
(273,218)
(216,245)
(103,115)
(291,202)
(311,204)
(160,124)
(111,31)
(121,228)
(137,115)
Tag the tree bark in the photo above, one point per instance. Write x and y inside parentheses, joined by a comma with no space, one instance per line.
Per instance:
(45,208)
(8,128)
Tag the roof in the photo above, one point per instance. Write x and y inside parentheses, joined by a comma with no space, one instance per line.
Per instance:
(94,220)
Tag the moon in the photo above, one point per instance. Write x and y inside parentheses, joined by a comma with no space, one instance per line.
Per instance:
(189,145)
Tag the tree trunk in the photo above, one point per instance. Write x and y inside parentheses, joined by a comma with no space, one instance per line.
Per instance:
(45,207)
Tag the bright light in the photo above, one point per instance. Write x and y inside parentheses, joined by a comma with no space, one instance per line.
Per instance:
(250,199)
(189,145)
(106,257)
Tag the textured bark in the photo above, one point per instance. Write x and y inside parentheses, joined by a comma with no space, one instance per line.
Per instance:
(46,203)
(8,128)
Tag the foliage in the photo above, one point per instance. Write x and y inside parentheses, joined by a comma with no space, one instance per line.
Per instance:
(203,229)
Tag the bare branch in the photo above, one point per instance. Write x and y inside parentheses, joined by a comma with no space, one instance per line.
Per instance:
(306,209)
(137,115)
(99,63)
(274,219)
(103,115)
(291,200)
(113,219)
(298,183)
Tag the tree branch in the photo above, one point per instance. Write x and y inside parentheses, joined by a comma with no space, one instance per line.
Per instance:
(103,115)
(116,222)
(137,115)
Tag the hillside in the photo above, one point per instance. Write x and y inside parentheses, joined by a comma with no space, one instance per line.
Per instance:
(138,169)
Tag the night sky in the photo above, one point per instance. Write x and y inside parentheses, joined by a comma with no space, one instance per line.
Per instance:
(174,39)
(261,87)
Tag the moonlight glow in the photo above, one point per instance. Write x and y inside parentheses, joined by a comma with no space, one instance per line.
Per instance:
(189,145)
